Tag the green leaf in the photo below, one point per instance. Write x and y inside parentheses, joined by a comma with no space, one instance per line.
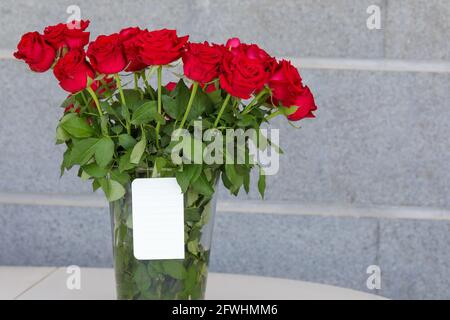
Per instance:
(247,181)
(262,182)
(113,109)
(95,185)
(117,129)
(171,108)
(201,103)
(138,151)
(174,268)
(141,277)
(145,113)
(234,177)
(192,214)
(187,175)
(124,162)
(104,151)
(193,247)
(216,97)
(66,162)
(61,135)
(83,150)
(122,177)
(202,186)
(75,126)
(127,141)
(112,189)
(94,170)
(247,121)
(132,98)
(176,108)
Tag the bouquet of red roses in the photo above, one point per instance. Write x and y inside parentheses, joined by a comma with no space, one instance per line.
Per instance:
(118,126)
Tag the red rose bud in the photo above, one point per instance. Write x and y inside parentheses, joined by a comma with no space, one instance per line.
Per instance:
(209,87)
(76,38)
(106,54)
(160,47)
(70,107)
(130,42)
(201,61)
(73,71)
(242,76)
(306,105)
(233,43)
(69,35)
(33,49)
(171,86)
(103,85)
(285,83)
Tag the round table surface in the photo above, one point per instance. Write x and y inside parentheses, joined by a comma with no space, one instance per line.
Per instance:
(48,283)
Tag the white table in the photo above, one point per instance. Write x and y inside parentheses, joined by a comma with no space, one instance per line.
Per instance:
(25,283)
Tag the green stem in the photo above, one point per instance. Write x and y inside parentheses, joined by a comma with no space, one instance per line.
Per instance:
(158,125)
(122,97)
(103,123)
(136,81)
(147,85)
(83,96)
(222,109)
(190,103)
(273,115)
(248,108)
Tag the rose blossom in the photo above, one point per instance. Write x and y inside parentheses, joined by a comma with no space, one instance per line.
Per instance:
(35,52)
(242,76)
(106,54)
(130,42)
(305,105)
(73,71)
(201,61)
(285,83)
(160,47)
(60,35)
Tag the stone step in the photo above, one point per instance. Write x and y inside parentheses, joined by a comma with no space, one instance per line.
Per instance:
(412,254)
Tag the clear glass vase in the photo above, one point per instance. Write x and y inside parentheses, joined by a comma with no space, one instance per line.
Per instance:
(164,279)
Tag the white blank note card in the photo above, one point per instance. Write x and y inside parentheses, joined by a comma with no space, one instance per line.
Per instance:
(158,219)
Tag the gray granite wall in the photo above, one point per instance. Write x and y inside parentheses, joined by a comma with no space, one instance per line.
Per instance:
(380,138)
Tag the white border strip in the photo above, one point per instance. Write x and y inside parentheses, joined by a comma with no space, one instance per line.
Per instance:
(396,65)
(391,65)
(243,206)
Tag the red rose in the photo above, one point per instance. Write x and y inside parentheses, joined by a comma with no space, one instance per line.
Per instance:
(106,54)
(73,71)
(130,42)
(306,105)
(76,38)
(70,35)
(254,52)
(242,76)
(35,52)
(201,61)
(160,47)
(170,86)
(285,83)
(128,33)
